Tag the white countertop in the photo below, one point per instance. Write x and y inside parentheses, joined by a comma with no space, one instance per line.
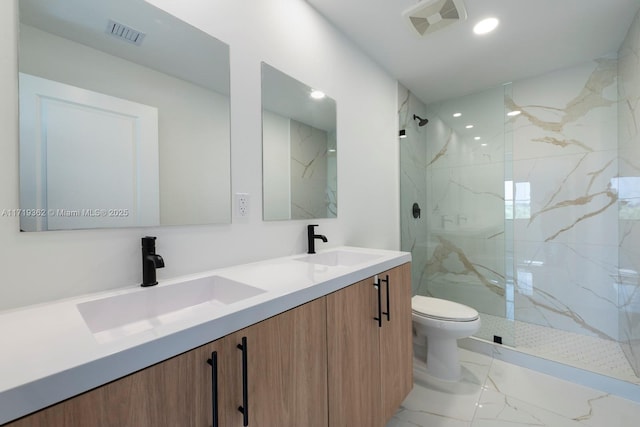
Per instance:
(48,353)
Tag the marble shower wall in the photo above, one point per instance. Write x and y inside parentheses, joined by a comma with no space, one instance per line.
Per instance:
(565,161)
(629,193)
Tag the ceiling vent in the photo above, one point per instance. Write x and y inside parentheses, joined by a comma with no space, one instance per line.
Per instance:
(429,16)
(124,32)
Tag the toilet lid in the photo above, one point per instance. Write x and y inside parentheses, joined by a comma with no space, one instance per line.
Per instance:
(442,309)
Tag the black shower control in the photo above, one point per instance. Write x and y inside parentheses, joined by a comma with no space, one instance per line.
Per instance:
(416,210)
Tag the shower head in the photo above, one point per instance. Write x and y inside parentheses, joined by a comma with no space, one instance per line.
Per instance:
(421,121)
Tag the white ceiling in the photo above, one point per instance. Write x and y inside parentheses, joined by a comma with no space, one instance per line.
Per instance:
(534,37)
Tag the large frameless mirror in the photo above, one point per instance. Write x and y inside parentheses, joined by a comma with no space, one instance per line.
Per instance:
(124,117)
(299,149)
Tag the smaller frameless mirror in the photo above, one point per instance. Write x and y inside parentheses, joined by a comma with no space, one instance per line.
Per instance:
(299,149)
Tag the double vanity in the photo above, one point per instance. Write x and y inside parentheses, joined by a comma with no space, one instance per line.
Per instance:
(304,340)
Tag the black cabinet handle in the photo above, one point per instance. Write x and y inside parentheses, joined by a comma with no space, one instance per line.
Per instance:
(387,313)
(214,386)
(245,388)
(379,318)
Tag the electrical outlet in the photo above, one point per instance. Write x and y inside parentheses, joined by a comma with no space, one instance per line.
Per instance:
(242,205)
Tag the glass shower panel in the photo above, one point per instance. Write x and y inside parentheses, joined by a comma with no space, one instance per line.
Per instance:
(413,183)
(516,204)
(456,164)
(627,186)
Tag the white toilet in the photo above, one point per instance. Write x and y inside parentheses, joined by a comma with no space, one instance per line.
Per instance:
(441,323)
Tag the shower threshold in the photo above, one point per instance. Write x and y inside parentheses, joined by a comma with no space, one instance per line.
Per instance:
(587,360)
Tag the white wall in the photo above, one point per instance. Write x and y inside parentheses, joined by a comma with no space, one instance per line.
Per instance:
(287,34)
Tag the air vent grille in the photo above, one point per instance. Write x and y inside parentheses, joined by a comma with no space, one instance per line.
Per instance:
(449,10)
(125,33)
(429,16)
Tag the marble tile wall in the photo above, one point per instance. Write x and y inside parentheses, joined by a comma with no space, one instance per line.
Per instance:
(565,150)
(629,194)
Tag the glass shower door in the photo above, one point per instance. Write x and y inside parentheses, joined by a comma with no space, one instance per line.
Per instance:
(456,165)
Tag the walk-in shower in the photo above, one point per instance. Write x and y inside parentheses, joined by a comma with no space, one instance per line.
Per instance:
(531,218)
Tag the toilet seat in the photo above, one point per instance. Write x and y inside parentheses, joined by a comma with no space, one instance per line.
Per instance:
(436,308)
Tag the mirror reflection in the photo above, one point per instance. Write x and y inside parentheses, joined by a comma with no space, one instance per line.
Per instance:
(299,149)
(124,117)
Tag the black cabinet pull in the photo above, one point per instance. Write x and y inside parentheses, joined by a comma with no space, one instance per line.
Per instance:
(214,386)
(387,313)
(245,388)
(379,318)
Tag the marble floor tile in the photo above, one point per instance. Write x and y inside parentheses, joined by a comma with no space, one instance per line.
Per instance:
(496,410)
(407,418)
(612,411)
(494,393)
(443,399)
(440,403)
(569,400)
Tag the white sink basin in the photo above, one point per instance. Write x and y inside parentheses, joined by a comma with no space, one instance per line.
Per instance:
(126,314)
(338,258)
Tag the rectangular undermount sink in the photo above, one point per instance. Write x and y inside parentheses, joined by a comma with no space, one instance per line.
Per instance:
(122,315)
(338,258)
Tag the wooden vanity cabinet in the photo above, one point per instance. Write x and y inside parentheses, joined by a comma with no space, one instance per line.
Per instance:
(165,394)
(326,363)
(370,364)
(396,343)
(287,364)
(286,378)
(286,372)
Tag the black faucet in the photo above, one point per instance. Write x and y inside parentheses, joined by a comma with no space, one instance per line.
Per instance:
(150,261)
(311,238)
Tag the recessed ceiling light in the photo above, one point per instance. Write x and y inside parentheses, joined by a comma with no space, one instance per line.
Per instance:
(457,114)
(477,138)
(484,144)
(469,126)
(486,26)
(514,113)
(317,94)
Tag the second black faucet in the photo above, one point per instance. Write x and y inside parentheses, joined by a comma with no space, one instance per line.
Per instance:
(311,238)
(150,261)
